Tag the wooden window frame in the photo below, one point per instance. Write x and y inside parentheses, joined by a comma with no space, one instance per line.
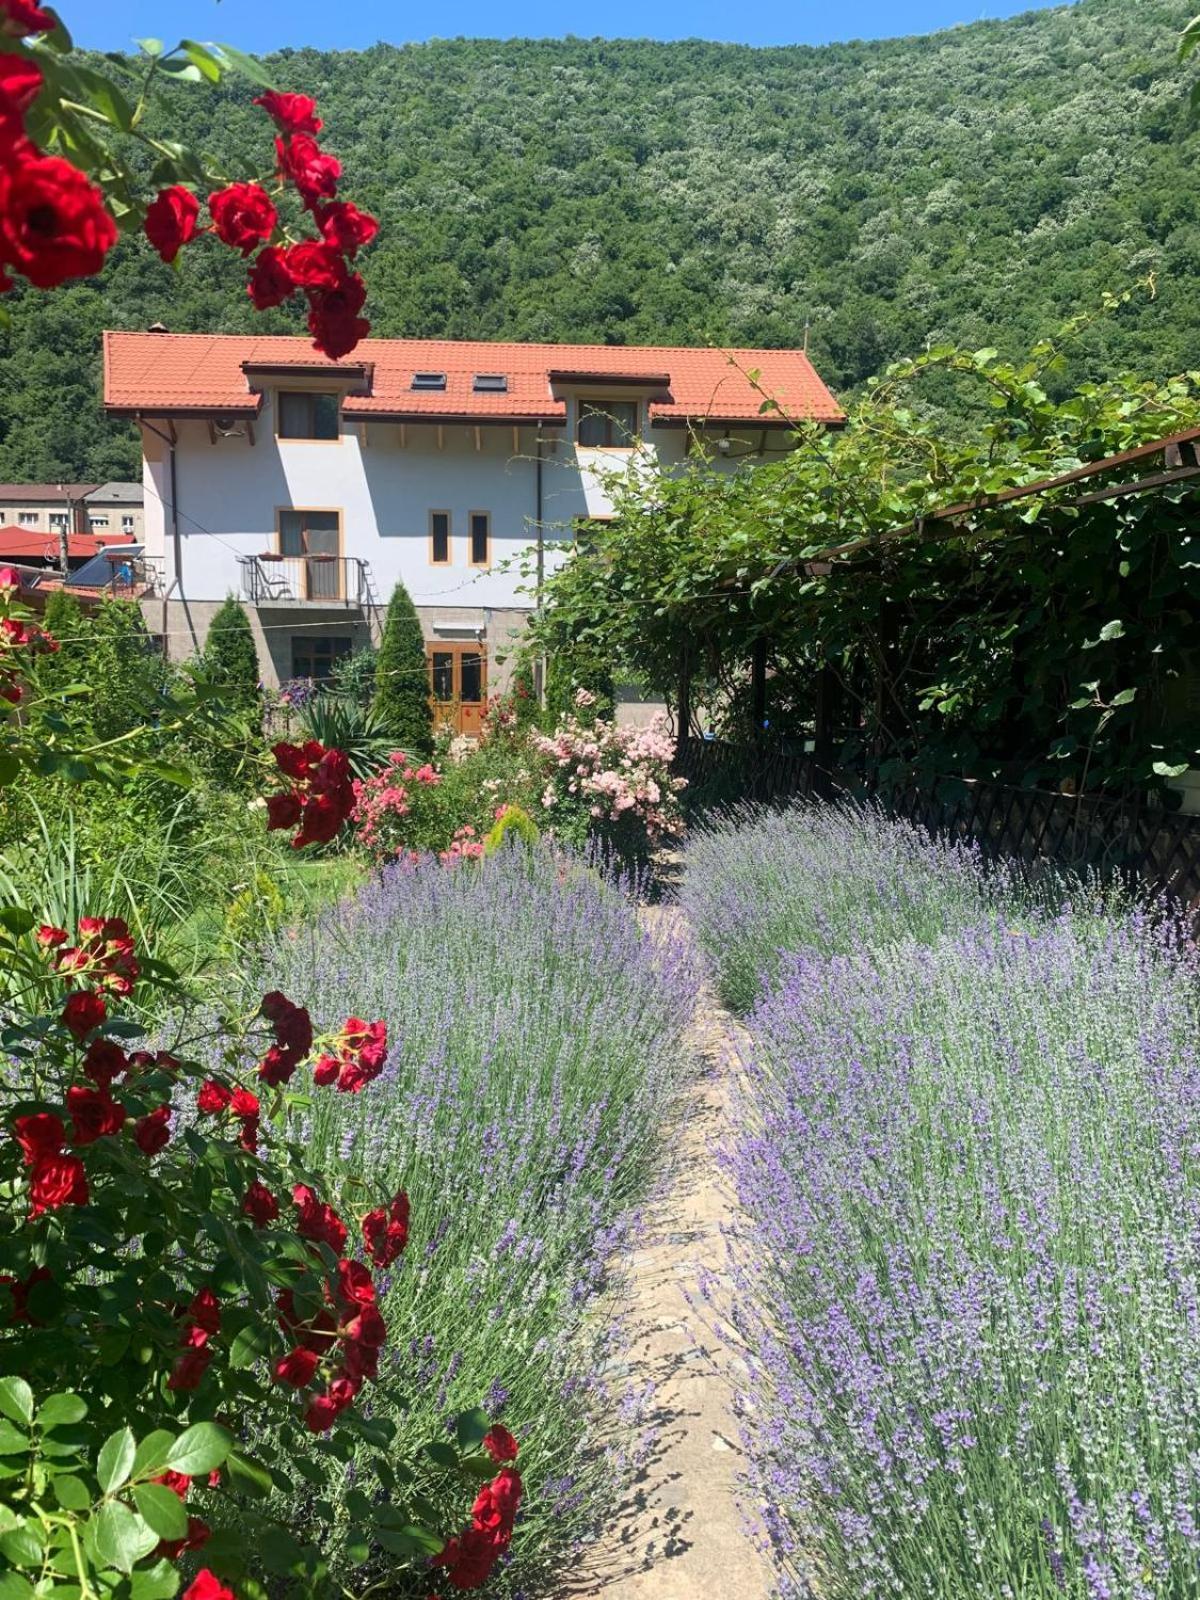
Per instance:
(600,403)
(433,560)
(323,511)
(309,394)
(484,565)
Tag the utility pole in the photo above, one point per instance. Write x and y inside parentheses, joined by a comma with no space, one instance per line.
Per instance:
(64,537)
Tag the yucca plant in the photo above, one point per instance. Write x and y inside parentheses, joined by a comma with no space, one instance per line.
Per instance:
(337,721)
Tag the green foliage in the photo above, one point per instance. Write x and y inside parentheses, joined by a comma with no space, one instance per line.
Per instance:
(514,826)
(354,675)
(230,660)
(1042,638)
(254,912)
(401,678)
(341,723)
(972,186)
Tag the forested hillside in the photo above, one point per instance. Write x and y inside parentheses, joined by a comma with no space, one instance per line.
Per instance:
(982,184)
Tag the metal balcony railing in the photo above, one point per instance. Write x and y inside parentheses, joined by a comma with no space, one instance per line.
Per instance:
(271,579)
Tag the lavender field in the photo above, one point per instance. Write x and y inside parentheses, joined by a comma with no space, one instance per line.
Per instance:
(968,1264)
(535,1060)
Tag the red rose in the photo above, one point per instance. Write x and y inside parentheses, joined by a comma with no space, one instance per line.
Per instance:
(270,284)
(84,1011)
(277,1066)
(297,1368)
(152,1132)
(469,1558)
(496,1504)
(283,810)
(41,1134)
(260,1204)
(50,938)
(292,113)
(368,1328)
(171,220)
(103,1061)
(318,1221)
(198,1533)
(326,1070)
(205,1311)
(20,82)
(57,1180)
(53,225)
(333,318)
(205,1586)
(345,227)
(320,820)
(213,1097)
(314,265)
(244,1104)
(385,1233)
(177,1482)
(22,18)
(94,1114)
(313,172)
(297,761)
(248,1135)
(499,1443)
(324,1409)
(355,1287)
(292,1024)
(243,216)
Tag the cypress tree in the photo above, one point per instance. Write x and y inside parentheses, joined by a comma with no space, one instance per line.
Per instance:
(230,658)
(401,678)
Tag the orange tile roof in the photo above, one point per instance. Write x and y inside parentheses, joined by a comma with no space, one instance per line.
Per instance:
(16,543)
(198,373)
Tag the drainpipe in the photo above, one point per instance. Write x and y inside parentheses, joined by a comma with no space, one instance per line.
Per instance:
(176,544)
(540,685)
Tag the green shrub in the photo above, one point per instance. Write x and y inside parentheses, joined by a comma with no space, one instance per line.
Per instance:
(513,826)
(338,722)
(254,912)
(230,658)
(354,675)
(401,678)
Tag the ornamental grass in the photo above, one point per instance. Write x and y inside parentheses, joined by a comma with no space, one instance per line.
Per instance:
(536,1053)
(968,1260)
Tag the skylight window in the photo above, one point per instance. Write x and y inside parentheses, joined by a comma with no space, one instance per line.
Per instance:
(429,380)
(491,383)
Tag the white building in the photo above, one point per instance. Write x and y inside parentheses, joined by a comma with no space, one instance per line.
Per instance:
(308,488)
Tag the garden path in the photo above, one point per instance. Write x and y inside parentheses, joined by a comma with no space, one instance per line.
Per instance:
(682,1533)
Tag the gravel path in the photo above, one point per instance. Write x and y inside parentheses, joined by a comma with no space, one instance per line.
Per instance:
(682,1533)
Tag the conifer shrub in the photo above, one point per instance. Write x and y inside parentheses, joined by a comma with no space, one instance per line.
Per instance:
(401,677)
(231,659)
(513,827)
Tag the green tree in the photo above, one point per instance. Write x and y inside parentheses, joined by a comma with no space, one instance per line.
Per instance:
(66,619)
(230,659)
(401,679)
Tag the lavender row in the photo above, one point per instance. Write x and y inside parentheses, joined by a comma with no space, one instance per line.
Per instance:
(536,1052)
(761,882)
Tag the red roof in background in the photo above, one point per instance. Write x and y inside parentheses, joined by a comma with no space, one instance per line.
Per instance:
(160,373)
(16,543)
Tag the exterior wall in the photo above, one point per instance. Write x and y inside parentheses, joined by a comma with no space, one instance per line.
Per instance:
(184,626)
(384,480)
(17,514)
(119,513)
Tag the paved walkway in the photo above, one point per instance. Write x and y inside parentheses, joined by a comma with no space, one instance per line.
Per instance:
(681,1535)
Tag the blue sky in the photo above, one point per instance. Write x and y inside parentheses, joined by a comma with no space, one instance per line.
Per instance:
(352,24)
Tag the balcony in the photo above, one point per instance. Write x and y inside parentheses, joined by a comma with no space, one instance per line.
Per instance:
(329,581)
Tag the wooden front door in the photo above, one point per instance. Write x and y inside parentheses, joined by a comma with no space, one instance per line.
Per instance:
(458,685)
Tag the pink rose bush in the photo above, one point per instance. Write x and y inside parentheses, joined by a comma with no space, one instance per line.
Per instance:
(602,780)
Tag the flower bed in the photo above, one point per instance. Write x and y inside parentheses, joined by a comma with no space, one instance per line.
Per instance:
(969,1260)
(536,1052)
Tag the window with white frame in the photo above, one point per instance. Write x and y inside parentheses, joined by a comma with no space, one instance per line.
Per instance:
(607,424)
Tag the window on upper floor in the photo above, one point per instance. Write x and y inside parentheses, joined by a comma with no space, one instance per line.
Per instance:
(303,415)
(490,383)
(98,519)
(27,519)
(58,520)
(126,524)
(439,538)
(429,380)
(607,424)
(481,539)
